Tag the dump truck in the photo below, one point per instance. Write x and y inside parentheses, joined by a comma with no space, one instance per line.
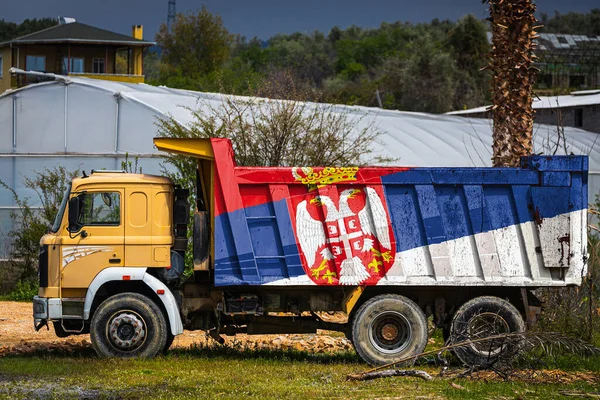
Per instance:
(134,260)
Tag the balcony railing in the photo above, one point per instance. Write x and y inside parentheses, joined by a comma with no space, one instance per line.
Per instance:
(20,78)
(110,77)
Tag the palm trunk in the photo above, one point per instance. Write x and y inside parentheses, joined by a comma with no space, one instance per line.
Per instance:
(513,78)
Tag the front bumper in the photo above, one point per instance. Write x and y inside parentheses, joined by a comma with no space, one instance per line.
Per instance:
(40,312)
(40,308)
(45,310)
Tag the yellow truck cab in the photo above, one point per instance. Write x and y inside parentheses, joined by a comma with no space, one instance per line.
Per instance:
(121,226)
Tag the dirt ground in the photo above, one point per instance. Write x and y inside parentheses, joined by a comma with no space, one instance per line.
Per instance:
(17,335)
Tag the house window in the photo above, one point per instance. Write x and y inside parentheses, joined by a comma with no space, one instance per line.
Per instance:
(75,67)
(35,63)
(98,66)
(1,66)
(578,117)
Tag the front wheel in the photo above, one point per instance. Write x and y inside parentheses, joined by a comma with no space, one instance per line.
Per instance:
(388,328)
(128,325)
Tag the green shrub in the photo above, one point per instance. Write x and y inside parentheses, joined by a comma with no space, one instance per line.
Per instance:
(30,223)
(23,291)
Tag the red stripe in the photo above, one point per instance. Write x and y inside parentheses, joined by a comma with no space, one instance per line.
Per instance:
(240,187)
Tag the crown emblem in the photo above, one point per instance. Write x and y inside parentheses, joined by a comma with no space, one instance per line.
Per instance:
(326,176)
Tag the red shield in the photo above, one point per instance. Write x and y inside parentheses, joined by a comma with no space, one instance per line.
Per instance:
(344,234)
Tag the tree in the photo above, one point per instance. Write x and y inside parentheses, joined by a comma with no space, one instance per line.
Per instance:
(572,23)
(513,76)
(470,47)
(267,132)
(197,44)
(151,66)
(352,66)
(423,81)
(469,43)
(308,56)
(12,30)
(29,224)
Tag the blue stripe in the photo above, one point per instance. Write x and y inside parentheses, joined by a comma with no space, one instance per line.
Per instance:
(274,248)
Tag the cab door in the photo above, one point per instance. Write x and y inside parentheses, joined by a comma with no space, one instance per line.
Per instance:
(100,243)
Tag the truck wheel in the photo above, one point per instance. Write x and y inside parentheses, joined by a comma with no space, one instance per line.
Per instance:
(128,325)
(388,328)
(479,318)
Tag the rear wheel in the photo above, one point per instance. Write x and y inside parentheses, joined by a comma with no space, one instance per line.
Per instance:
(388,328)
(128,325)
(479,318)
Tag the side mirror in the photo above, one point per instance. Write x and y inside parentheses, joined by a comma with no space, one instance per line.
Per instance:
(106,199)
(73,214)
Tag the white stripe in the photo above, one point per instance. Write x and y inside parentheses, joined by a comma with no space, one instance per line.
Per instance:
(507,257)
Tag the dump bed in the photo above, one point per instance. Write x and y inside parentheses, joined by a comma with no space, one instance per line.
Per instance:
(400,226)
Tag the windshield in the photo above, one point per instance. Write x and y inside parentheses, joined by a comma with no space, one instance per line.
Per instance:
(61,210)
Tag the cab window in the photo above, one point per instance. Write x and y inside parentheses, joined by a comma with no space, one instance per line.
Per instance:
(100,209)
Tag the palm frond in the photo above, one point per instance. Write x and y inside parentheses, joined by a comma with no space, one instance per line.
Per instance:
(513,346)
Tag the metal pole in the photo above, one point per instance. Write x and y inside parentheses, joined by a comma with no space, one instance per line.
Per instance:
(378,98)
(66,114)
(117,124)
(14,144)
(14,123)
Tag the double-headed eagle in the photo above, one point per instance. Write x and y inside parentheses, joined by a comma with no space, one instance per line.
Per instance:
(373,222)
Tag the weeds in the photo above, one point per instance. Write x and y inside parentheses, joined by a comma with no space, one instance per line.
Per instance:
(31,223)
(213,371)
(23,291)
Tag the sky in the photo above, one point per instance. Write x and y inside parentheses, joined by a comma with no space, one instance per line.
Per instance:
(263,18)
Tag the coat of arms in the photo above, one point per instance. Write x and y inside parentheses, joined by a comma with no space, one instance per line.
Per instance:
(345,239)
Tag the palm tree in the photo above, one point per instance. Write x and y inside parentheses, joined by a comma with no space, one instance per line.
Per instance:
(513,76)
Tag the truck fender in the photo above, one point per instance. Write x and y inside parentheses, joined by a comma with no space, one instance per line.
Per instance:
(168,301)
(135,274)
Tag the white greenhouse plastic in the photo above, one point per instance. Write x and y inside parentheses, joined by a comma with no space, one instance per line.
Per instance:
(91,124)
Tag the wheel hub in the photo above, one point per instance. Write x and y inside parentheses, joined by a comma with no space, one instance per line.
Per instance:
(390,332)
(126,331)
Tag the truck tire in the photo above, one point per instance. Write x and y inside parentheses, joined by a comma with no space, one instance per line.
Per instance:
(388,328)
(481,317)
(128,325)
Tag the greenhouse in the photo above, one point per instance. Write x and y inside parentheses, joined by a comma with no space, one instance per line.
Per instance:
(92,124)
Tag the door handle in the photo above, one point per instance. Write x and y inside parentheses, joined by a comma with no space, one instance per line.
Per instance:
(114,260)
